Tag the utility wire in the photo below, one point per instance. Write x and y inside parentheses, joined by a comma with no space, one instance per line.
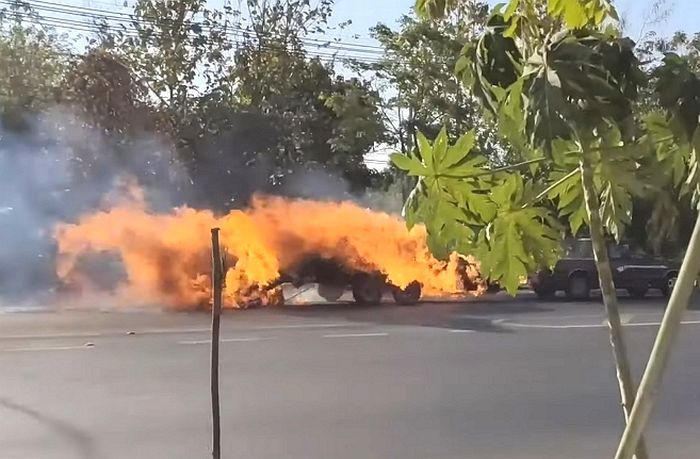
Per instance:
(121,18)
(80,26)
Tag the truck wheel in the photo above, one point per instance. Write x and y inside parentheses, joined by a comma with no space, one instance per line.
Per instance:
(330,293)
(545,293)
(578,287)
(638,292)
(367,289)
(407,296)
(669,284)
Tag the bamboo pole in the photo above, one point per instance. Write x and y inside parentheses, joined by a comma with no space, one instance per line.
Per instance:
(215,323)
(670,325)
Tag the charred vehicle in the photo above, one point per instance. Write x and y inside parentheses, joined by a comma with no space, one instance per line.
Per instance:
(333,278)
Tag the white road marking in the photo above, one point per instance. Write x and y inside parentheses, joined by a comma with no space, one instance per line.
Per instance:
(604,325)
(164,331)
(624,319)
(53,335)
(228,340)
(170,331)
(458,330)
(35,349)
(355,335)
(301,326)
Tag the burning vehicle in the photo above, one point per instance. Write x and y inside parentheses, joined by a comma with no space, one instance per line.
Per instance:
(333,278)
(165,257)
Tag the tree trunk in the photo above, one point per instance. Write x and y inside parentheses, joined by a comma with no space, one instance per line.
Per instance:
(607,288)
(670,324)
(217,278)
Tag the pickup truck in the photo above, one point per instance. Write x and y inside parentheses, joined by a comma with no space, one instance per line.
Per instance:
(576,273)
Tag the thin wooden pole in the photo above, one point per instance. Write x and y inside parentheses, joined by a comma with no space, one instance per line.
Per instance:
(668,331)
(215,323)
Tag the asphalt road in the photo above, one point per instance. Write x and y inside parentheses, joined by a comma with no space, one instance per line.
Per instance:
(490,379)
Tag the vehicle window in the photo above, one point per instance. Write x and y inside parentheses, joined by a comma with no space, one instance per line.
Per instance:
(618,251)
(580,249)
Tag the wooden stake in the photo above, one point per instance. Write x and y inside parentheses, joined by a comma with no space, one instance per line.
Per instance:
(217,284)
(670,325)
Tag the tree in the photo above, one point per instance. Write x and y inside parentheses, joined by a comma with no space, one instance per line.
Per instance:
(319,117)
(561,81)
(677,134)
(417,76)
(33,61)
(175,45)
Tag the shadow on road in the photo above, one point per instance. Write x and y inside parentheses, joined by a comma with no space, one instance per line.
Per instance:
(83,443)
(479,314)
(483,313)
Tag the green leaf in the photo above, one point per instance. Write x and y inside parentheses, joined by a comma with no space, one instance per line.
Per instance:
(440,149)
(511,9)
(458,152)
(509,192)
(408,164)
(432,9)
(547,117)
(426,151)
(573,12)
(569,198)
(517,243)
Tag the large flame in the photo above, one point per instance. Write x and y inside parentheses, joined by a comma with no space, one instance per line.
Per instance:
(167,256)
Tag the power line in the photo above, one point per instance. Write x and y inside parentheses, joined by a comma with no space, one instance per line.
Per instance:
(79,26)
(121,17)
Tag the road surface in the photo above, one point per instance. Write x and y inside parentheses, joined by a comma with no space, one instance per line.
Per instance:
(491,379)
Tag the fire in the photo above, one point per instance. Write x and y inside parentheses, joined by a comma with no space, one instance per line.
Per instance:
(167,256)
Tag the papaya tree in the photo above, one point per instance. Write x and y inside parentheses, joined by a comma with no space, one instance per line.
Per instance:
(561,82)
(675,137)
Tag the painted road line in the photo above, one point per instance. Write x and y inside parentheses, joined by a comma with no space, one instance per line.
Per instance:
(459,330)
(355,335)
(37,349)
(53,336)
(624,319)
(604,325)
(303,326)
(228,340)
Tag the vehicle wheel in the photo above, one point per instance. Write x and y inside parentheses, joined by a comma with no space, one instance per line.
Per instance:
(669,284)
(409,295)
(545,293)
(638,292)
(249,303)
(578,287)
(330,293)
(367,289)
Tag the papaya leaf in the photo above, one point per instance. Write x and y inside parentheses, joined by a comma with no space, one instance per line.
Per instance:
(572,11)
(426,151)
(439,149)
(409,164)
(457,152)
(518,242)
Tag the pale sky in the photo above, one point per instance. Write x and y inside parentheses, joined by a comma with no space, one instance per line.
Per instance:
(685,14)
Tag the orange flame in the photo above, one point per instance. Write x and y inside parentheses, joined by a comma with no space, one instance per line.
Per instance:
(167,256)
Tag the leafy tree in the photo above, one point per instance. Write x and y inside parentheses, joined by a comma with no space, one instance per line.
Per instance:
(562,83)
(319,117)
(33,61)
(417,74)
(174,47)
(676,136)
(105,91)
